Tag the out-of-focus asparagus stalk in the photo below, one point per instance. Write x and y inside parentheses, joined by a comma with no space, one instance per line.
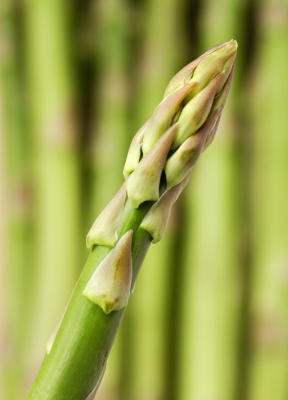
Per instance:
(16,207)
(171,140)
(53,125)
(3,233)
(109,134)
(211,295)
(248,22)
(269,314)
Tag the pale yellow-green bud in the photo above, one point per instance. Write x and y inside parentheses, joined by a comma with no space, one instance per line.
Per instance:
(156,220)
(181,162)
(196,111)
(143,184)
(103,231)
(192,95)
(110,284)
(163,116)
(220,60)
(185,75)
(134,153)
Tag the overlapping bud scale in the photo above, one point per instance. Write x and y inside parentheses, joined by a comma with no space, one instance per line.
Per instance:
(110,285)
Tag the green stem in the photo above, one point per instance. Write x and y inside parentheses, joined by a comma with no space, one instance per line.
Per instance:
(78,355)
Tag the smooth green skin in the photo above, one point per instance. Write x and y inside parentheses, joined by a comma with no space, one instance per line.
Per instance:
(85,337)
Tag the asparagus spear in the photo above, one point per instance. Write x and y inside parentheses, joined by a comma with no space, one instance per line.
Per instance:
(157,169)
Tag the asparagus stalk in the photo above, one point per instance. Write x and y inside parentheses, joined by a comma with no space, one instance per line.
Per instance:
(268,363)
(3,233)
(211,305)
(157,169)
(56,187)
(109,133)
(15,202)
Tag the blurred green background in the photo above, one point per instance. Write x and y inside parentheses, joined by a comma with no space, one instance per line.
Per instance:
(209,317)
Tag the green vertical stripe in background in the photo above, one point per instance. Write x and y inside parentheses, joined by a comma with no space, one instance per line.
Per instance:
(53,124)
(269,312)
(15,205)
(211,290)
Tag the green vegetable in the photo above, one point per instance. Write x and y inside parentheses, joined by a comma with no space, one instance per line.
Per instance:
(157,169)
